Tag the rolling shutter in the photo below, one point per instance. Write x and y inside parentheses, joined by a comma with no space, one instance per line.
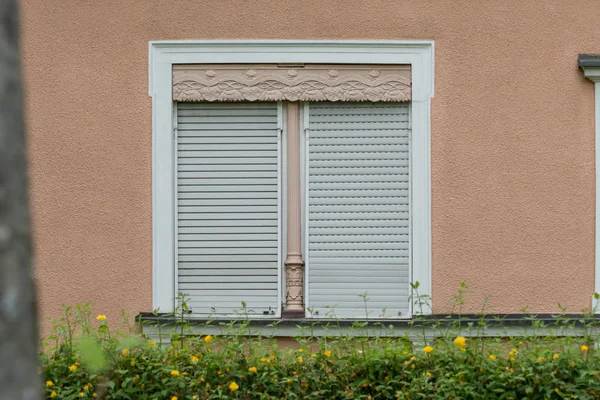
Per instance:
(228,202)
(358,209)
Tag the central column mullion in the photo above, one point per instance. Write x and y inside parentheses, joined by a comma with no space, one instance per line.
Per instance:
(294,263)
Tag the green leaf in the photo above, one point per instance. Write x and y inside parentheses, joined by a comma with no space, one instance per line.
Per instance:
(91,354)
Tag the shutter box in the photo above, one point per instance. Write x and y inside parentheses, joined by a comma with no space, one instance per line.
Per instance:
(228,208)
(358,216)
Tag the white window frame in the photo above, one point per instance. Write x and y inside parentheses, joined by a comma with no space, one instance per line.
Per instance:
(163,54)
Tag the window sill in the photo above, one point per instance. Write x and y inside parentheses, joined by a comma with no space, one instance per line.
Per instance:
(493,325)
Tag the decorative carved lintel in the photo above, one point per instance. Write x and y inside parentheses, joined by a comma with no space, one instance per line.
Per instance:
(311,82)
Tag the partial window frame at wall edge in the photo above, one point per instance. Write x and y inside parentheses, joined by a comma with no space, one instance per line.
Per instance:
(164,54)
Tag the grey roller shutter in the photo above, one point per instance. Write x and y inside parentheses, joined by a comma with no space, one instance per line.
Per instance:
(358,209)
(228,218)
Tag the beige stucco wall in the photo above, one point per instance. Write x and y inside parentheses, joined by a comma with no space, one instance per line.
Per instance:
(512,137)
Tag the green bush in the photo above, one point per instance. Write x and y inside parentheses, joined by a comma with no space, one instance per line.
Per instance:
(84,358)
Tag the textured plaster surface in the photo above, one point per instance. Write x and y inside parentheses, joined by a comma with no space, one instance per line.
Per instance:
(512,144)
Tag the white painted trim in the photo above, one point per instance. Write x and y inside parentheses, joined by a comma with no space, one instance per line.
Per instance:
(304,162)
(163,54)
(279,205)
(593,74)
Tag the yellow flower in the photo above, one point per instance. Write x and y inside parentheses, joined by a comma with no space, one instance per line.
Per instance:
(556,356)
(556,390)
(174,373)
(124,352)
(493,357)
(132,363)
(219,372)
(327,353)
(313,355)
(174,398)
(428,349)
(253,369)
(300,350)
(289,381)
(460,342)
(233,386)
(194,359)
(101,317)
(94,395)
(151,343)
(73,368)
(194,397)
(428,373)
(584,348)
(540,358)
(513,353)
(413,358)
(53,394)
(300,360)
(272,356)
(208,339)
(87,386)
(264,360)
(80,394)
(49,383)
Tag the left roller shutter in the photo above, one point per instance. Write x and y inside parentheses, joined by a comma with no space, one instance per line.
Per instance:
(228,207)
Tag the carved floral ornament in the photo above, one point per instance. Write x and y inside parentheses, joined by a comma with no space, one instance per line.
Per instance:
(310,82)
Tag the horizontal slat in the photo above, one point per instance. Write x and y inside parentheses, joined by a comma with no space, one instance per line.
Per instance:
(271,201)
(225,112)
(230,279)
(272,285)
(243,106)
(359,253)
(357,185)
(196,251)
(226,223)
(194,140)
(358,163)
(319,194)
(221,188)
(269,160)
(226,167)
(249,244)
(358,141)
(375,155)
(228,237)
(227,126)
(339,294)
(391,288)
(359,178)
(212,268)
(198,155)
(359,125)
(227,209)
(344,107)
(225,174)
(359,223)
(359,208)
(347,170)
(360,133)
(223,274)
(357,148)
(232,118)
(228,257)
(357,215)
(368,117)
(226,181)
(192,196)
(361,263)
(234,216)
(342,236)
(225,147)
(358,246)
(238,293)
(337,201)
(400,231)
(235,133)
(366,276)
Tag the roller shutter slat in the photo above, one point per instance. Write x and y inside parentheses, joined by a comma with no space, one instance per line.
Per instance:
(359,209)
(228,213)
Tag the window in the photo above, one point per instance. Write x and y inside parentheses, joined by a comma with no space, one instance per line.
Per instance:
(295,179)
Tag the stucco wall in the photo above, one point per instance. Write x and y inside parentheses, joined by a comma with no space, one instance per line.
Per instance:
(512,137)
